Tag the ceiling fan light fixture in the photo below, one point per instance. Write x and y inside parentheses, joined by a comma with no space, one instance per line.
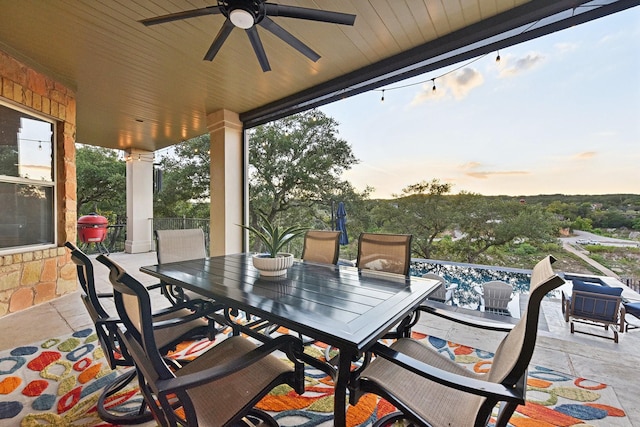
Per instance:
(241,18)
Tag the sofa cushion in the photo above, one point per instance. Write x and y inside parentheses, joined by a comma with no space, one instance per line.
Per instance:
(579,285)
(633,308)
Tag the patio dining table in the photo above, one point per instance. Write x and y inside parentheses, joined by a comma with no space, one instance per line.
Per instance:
(341,306)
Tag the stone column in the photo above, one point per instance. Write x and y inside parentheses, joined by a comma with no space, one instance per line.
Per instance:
(139,201)
(228,171)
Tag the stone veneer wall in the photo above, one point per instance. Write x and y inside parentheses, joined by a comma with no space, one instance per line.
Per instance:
(28,278)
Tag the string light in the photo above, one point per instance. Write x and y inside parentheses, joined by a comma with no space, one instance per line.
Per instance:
(498,57)
(433,89)
(382,99)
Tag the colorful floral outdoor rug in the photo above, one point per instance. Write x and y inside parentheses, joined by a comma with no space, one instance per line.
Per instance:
(57,383)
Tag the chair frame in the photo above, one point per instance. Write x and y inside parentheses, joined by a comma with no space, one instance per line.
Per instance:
(161,386)
(510,391)
(168,238)
(325,236)
(107,328)
(391,240)
(493,303)
(445,288)
(574,312)
(624,311)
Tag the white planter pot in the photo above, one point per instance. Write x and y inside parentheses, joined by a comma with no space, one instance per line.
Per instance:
(271,267)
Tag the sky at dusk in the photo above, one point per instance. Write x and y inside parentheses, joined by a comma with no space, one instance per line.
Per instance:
(558,114)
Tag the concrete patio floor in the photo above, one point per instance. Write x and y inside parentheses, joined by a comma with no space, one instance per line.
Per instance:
(579,355)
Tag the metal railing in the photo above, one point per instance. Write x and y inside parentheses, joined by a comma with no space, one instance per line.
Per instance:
(182,224)
(117,233)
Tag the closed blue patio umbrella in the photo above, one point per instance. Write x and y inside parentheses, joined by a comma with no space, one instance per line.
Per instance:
(341,223)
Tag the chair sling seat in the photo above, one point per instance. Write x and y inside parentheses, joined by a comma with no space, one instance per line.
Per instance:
(168,337)
(175,246)
(321,246)
(422,396)
(219,401)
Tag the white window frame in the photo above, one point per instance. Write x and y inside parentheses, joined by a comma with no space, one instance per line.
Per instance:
(53,184)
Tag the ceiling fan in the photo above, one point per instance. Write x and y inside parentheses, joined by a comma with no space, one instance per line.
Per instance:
(247,14)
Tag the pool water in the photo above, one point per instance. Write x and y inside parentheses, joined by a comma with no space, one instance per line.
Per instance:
(470,276)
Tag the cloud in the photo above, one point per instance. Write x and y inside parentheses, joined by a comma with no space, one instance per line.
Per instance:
(586,155)
(486,175)
(458,83)
(566,47)
(522,64)
(463,81)
(470,165)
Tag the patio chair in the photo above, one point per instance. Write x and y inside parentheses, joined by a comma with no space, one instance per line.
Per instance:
(179,245)
(495,296)
(218,388)
(431,389)
(633,309)
(385,252)
(444,291)
(193,326)
(595,305)
(321,246)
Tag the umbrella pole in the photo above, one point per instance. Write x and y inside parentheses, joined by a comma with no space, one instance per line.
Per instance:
(333,219)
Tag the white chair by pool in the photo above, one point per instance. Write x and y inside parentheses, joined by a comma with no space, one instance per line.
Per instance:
(495,296)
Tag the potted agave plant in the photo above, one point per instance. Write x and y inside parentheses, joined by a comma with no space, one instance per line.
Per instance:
(273,262)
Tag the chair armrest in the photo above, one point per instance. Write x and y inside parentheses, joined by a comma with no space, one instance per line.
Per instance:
(105,295)
(108,321)
(154,286)
(200,308)
(458,382)
(289,344)
(463,319)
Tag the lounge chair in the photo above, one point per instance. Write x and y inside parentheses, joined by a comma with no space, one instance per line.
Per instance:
(495,296)
(219,387)
(595,305)
(633,309)
(431,389)
(444,291)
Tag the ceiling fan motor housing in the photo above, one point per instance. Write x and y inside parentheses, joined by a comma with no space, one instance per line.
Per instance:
(254,7)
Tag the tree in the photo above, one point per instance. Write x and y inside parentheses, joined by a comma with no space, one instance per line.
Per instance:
(101,182)
(296,163)
(584,224)
(486,223)
(422,210)
(185,180)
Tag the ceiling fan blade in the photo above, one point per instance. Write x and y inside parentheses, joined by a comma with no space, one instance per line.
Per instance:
(289,38)
(273,9)
(219,40)
(258,48)
(211,10)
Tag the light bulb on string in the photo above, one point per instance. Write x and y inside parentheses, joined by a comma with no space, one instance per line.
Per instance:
(433,89)
(498,57)
(40,145)
(382,99)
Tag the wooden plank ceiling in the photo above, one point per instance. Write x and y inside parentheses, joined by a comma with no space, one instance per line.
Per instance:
(148,87)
